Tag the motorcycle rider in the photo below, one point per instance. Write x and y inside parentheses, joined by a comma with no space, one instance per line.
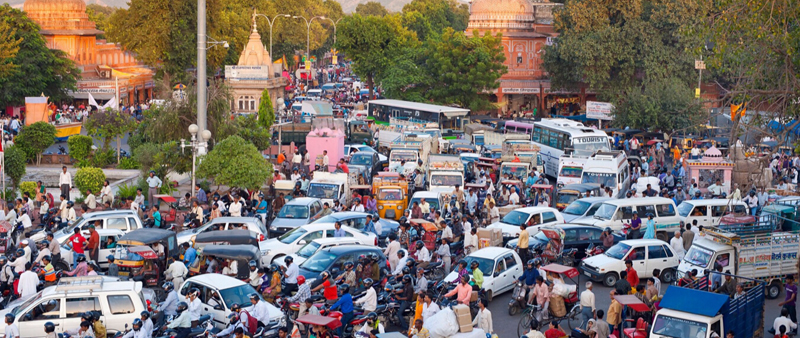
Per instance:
(349,275)
(260,309)
(345,303)
(147,324)
(303,293)
(195,306)
(182,323)
(370,299)
(253,279)
(137,331)
(81,269)
(372,324)
(6,274)
(244,316)
(169,306)
(234,322)
(48,272)
(19,262)
(329,285)
(43,251)
(477,276)
(529,275)
(423,255)
(404,296)
(50,329)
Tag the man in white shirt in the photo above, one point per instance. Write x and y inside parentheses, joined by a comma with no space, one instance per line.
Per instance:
(423,255)
(514,198)
(139,199)
(401,263)
(195,307)
(776,325)
(290,276)
(26,221)
(716,189)
(11,216)
(105,193)
(235,208)
(392,249)
(260,310)
(370,300)
(295,176)
(357,206)
(65,181)
(44,207)
(587,304)
(90,200)
(176,271)
(28,281)
(325,161)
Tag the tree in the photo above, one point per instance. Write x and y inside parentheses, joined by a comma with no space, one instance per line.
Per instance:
(110,124)
(430,18)
(38,68)
(372,43)
(266,114)
(235,162)
(89,178)
(14,163)
(35,139)
(99,14)
(668,103)
(372,8)
(9,46)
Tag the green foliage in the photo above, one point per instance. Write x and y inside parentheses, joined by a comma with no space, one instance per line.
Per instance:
(266,114)
(249,129)
(235,162)
(29,187)
(371,8)
(10,195)
(167,189)
(125,190)
(430,18)
(104,158)
(89,178)
(99,14)
(668,103)
(80,146)
(14,159)
(205,185)
(109,124)
(127,163)
(9,46)
(35,139)
(39,69)
(145,155)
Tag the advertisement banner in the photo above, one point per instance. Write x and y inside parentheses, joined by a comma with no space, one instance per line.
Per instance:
(599,110)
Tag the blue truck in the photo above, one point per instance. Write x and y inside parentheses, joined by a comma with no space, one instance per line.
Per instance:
(691,311)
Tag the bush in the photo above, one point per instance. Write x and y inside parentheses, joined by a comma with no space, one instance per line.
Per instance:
(35,138)
(102,159)
(29,187)
(14,165)
(145,155)
(126,190)
(127,163)
(89,178)
(80,147)
(11,195)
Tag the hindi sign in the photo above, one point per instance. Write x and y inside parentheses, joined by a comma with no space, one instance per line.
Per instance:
(247,73)
(599,110)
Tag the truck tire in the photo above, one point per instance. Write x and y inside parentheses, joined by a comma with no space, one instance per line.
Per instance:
(662,236)
(610,279)
(668,276)
(773,290)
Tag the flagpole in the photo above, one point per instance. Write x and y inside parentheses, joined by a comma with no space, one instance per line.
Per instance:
(116,84)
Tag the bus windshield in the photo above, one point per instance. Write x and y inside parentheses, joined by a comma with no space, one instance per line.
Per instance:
(605,179)
(586,146)
(574,172)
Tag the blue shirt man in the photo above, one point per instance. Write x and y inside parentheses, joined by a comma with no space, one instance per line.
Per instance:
(157,219)
(370,227)
(262,207)
(345,302)
(201,195)
(190,255)
(529,276)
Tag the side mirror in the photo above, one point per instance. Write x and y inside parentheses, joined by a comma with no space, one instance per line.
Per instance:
(218,307)
(301,242)
(496,274)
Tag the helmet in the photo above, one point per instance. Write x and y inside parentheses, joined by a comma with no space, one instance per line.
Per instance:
(372,316)
(235,307)
(348,265)
(110,258)
(49,327)
(301,280)
(411,262)
(531,262)
(288,259)
(10,317)
(168,286)
(403,220)
(374,256)
(325,275)
(344,288)
(406,270)
(145,314)
(400,253)
(70,203)
(335,272)
(274,267)
(252,264)
(367,282)
(607,229)
(406,279)
(81,258)
(419,245)
(254,296)
(137,324)
(96,315)
(362,257)
(537,261)
(21,253)
(3,260)
(45,243)
(233,317)
(697,193)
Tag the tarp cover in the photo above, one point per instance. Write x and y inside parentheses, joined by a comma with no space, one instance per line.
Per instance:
(686,300)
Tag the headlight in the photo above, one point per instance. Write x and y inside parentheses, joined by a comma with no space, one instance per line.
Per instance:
(282,321)
(380,207)
(399,207)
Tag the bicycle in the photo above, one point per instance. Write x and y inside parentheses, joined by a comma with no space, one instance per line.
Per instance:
(573,318)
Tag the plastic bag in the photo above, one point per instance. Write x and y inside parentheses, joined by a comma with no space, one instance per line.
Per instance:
(443,324)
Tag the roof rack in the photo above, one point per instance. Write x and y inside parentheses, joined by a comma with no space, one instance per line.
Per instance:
(91,283)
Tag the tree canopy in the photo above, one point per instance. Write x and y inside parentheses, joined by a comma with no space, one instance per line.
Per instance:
(235,162)
(35,139)
(99,14)
(371,8)
(430,18)
(38,69)
(9,46)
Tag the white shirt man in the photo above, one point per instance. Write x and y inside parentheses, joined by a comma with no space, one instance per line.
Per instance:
(587,299)
(65,178)
(176,270)
(236,209)
(514,198)
(11,216)
(291,274)
(91,201)
(391,251)
(400,265)
(429,310)
(370,300)
(42,253)
(105,194)
(325,162)
(26,221)
(44,208)
(261,312)
(195,309)
(359,208)
(28,281)
(785,321)
(423,255)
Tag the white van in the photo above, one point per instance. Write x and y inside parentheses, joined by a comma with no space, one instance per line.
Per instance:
(615,213)
(537,216)
(708,212)
(314,93)
(609,168)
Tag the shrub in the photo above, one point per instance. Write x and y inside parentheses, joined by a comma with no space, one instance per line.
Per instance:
(29,187)
(14,165)
(102,159)
(89,178)
(127,163)
(126,190)
(80,147)
(35,138)
(10,194)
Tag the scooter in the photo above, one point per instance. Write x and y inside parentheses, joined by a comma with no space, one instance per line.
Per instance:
(518,299)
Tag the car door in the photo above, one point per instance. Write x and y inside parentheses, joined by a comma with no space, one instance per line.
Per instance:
(104,252)
(77,306)
(514,270)
(658,257)
(496,279)
(132,224)
(31,322)
(305,240)
(213,305)
(699,214)
(638,256)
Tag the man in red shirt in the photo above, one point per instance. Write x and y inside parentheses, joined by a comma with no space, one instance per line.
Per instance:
(343,166)
(633,276)
(78,244)
(93,244)
(330,288)
(554,332)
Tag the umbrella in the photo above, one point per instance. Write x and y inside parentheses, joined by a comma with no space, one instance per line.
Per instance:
(653,141)
(179,86)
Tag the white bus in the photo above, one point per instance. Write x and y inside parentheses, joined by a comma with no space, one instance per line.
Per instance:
(610,169)
(556,137)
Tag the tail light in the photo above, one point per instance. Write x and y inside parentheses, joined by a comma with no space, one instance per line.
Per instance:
(376,243)
(261,237)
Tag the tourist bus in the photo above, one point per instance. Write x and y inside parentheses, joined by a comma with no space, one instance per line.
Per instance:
(557,137)
(514,127)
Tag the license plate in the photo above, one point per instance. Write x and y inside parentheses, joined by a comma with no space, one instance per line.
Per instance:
(587,274)
(124,273)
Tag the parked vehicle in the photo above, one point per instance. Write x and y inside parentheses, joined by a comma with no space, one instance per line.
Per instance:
(295,213)
(615,213)
(534,217)
(501,268)
(583,207)
(646,255)
(708,212)
(253,224)
(125,220)
(136,259)
(292,241)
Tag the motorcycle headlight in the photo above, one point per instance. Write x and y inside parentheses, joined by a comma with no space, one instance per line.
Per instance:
(282,321)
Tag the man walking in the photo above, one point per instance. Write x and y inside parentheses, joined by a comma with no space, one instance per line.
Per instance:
(587,304)
(154,183)
(65,181)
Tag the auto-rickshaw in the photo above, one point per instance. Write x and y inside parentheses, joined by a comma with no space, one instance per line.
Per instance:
(226,237)
(571,192)
(241,253)
(331,322)
(511,185)
(786,216)
(391,192)
(490,168)
(684,142)
(358,131)
(169,209)
(286,187)
(142,254)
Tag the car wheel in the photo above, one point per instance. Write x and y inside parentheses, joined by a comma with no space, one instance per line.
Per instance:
(610,279)
(774,290)
(489,295)
(662,236)
(668,276)
(275,260)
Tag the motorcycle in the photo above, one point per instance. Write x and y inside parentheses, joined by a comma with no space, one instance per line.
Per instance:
(518,299)
(593,250)
(205,327)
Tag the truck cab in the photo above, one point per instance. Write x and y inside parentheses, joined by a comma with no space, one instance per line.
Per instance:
(329,187)
(444,173)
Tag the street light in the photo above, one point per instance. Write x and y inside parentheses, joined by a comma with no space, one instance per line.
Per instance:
(215,42)
(308,41)
(272,57)
(196,146)
(334,27)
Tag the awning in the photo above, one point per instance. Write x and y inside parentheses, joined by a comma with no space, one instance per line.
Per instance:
(686,300)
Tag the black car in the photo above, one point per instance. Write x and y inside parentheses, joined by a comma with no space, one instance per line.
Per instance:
(575,236)
(335,257)
(366,163)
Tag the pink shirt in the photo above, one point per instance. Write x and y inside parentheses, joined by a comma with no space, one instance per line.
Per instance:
(464,293)
(542,293)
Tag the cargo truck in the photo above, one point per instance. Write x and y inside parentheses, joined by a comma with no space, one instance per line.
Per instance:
(332,186)
(409,152)
(758,251)
(444,173)
(693,312)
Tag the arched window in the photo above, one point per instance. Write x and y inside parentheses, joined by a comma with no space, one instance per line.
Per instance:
(247,103)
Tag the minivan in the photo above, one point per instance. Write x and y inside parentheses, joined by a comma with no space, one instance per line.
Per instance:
(297,212)
(582,207)
(615,213)
(535,216)
(709,212)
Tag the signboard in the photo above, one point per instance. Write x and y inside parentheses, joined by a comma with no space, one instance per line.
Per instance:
(599,110)
(589,139)
(699,64)
(697,93)
(95,90)
(520,91)
(308,64)
(247,73)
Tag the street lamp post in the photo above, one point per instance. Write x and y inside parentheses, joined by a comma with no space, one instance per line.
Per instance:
(334,27)
(271,22)
(308,42)
(196,145)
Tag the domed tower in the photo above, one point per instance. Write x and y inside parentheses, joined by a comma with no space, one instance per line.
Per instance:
(66,26)
(501,15)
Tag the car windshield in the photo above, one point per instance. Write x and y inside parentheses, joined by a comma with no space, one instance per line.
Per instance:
(26,304)
(518,171)
(434,203)
(404,156)
(446,180)
(486,265)
(308,249)
(684,209)
(667,326)
(577,208)
(605,179)
(292,235)
(361,159)
(606,211)
(237,295)
(618,250)
(566,198)
(319,261)
(293,211)
(516,218)
(323,190)
(698,255)
(390,195)
(567,171)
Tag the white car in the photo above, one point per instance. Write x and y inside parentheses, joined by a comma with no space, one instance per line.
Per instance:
(295,239)
(103,252)
(646,255)
(219,292)
(318,244)
(360,147)
(226,223)
(539,216)
(501,268)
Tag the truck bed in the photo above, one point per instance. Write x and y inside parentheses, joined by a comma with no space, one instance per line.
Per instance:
(760,254)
